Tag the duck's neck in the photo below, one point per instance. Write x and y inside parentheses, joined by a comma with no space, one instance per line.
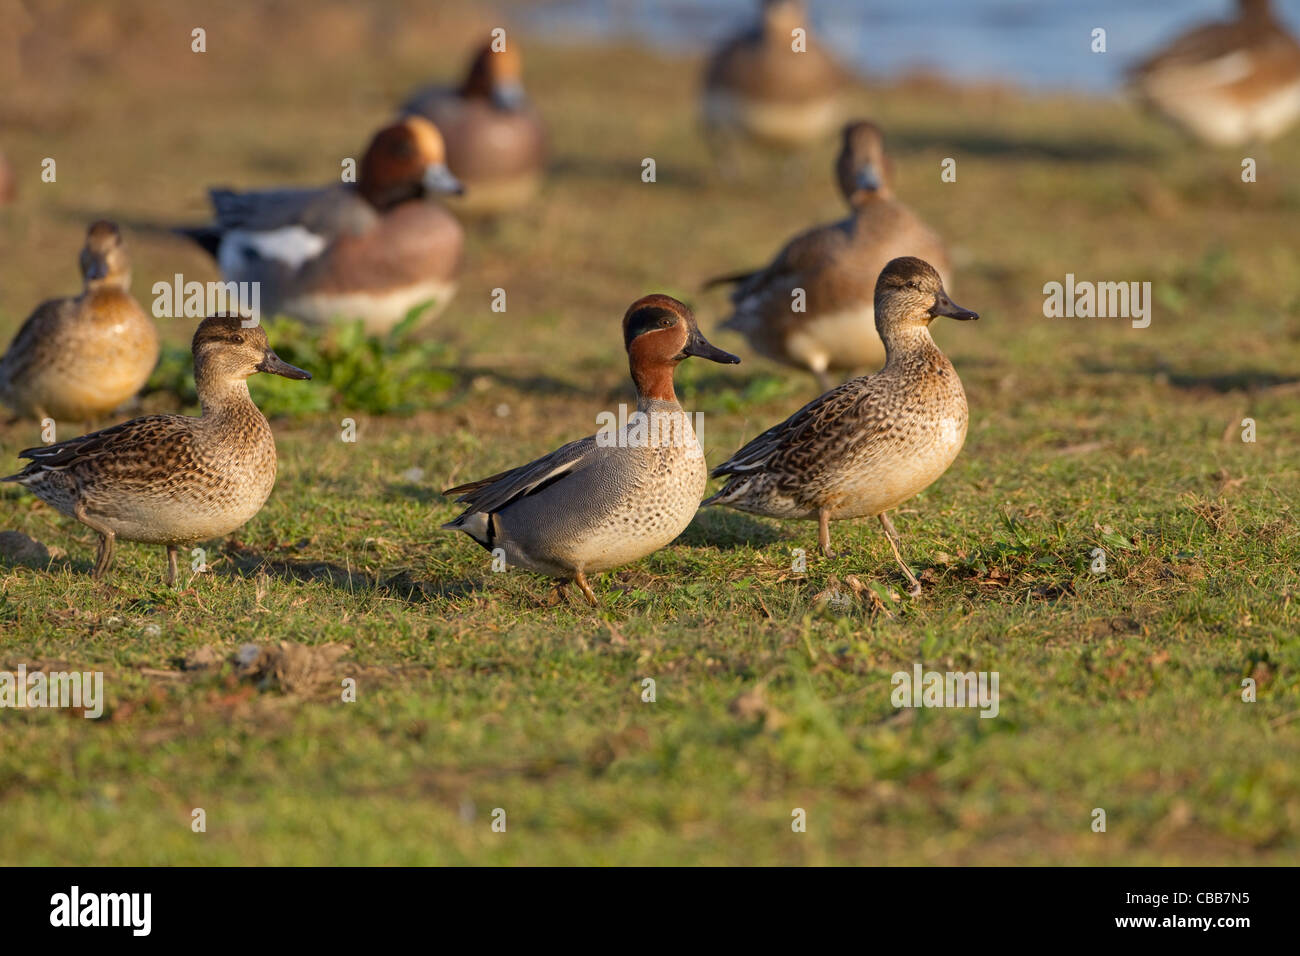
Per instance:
(654,383)
(907,344)
(385,197)
(220,396)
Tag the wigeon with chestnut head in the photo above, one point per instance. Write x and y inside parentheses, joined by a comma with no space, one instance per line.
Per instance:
(496,143)
(614,497)
(372,250)
(812,306)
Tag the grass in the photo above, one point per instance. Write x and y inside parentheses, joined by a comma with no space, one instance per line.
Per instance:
(1120,691)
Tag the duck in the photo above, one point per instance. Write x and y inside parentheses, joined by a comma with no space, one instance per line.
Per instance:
(834,267)
(759,88)
(1226,83)
(611,498)
(79,358)
(370,250)
(867,446)
(173,480)
(496,141)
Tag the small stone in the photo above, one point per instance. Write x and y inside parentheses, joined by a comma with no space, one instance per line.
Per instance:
(18,548)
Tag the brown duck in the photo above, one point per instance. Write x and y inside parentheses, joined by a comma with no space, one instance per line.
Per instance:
(172,479)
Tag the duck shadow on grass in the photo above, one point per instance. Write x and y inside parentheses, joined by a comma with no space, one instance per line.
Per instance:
(582,168)
(404,585)
(1026,148)
(1239,380)
(726,530)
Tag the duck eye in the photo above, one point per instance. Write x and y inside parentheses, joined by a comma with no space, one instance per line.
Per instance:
(237,339)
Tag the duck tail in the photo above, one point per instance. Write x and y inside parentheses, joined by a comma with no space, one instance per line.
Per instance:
(729,279)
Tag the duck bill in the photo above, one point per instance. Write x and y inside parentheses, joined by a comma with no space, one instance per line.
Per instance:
(945,306)
(438,179)
(277,366)
(509,95)
(867,178)
(701,347)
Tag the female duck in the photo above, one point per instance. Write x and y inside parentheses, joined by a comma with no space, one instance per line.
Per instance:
(77,359)
(614,497)
(371,250)
(830,327)
(874,442)
(171,479)
(758,86)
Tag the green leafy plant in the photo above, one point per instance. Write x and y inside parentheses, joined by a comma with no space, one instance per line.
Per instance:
(350,369)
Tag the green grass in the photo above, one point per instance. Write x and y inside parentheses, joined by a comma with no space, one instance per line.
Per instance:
(1119,691)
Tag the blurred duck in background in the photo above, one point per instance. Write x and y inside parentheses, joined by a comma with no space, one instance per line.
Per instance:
(371,250)
(77,359)
(812,306)
(496,143)
(1227,83)
(772,85)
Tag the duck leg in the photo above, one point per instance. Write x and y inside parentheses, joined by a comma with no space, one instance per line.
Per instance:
(171,565)
(824,380)
(581,580)
(824,532)
(107,538)
(891,535)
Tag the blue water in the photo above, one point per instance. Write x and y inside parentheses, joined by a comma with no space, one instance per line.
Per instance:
(1038,44)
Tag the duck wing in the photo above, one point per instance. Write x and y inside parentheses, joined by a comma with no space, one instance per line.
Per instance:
(497,491)
(151,432)
(798,444)
(29,343)
(328,212)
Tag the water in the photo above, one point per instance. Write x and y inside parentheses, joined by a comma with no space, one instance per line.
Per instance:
(1037,44)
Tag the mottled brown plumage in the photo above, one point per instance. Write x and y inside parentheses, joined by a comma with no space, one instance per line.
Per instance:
(872,443)
(757,86)
(834,267)
(77,359)
(1227,83)
(172,479)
